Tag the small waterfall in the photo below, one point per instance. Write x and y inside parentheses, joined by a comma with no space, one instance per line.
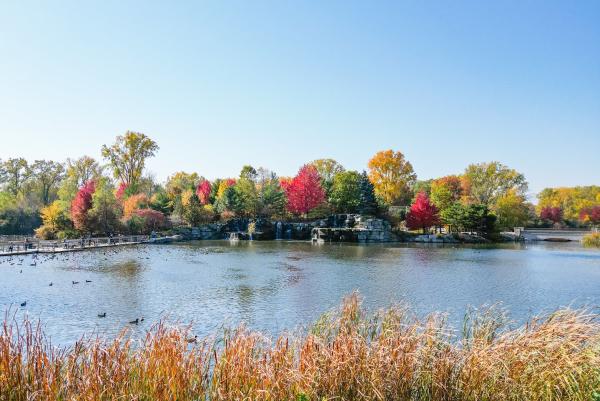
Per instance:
(278,230)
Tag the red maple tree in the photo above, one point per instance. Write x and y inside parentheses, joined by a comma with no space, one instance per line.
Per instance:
(304,192)
(81,206)
(121,191)
(203,191)
(591,214)
(554,214)
(422,214)
(153,219)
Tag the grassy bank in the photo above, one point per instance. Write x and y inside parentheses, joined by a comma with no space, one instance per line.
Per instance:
(346,355)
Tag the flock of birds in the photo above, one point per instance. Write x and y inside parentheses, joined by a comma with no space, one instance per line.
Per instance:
(38,259)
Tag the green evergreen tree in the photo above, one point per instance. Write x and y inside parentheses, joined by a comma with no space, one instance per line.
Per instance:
(368,203)
(192,212)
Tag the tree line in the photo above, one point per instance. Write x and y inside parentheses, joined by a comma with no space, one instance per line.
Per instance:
(89,197)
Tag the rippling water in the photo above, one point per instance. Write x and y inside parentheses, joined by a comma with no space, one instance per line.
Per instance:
(274,286)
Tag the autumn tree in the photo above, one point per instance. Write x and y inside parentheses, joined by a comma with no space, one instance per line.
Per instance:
(422,214)
(81,206)
(445,191)
(512,210)
(590,215)
(224,199)
(105,211)
(83,170)
(193,212)
(128,155)
(149,220)
(345,192)
(133,203)
(203,190)
(392,176)
(327,169)
(54,220)
(571,200)
(553,214)
(489,181)
(305,192)
(14,173)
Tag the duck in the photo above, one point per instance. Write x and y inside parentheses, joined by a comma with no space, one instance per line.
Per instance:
(88,281)
(75,282)
(24,303)
(50,285)
(103,314)
(192,340)
(136,321)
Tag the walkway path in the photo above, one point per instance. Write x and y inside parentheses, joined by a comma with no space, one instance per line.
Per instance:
(29,246)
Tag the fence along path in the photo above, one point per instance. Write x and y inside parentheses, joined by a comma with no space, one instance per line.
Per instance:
(29,245)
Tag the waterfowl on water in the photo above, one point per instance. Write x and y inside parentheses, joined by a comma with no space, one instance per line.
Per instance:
(88,281)
(24,303)
(192,340)
(75,282)
(50,285)
(103,314)
(136,321)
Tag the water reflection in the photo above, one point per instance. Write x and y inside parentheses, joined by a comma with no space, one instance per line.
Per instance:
(279,285)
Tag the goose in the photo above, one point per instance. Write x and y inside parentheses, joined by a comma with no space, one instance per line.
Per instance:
(88,281)
(75,282)
(50,285)
(103,314)
(24,303)
(136,321)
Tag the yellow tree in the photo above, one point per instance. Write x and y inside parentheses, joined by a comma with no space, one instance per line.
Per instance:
(512,210)
(392,176)
(134,202)
(52,215)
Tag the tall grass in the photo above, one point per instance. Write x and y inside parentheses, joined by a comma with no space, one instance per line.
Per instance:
(592,240)
(346,355)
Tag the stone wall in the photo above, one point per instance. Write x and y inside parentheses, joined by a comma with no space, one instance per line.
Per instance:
(342,227)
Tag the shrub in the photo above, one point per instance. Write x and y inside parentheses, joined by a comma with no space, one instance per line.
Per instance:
(45,232)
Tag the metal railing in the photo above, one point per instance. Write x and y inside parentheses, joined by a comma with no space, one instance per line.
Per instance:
(31,246)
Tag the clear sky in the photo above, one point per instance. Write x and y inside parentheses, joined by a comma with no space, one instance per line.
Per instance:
(276,84)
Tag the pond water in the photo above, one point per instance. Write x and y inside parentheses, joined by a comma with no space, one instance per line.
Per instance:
(275,286)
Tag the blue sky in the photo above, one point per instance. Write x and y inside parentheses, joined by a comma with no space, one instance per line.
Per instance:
(276,84)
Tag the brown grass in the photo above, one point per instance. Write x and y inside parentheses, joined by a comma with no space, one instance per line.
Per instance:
(346,355)
(591,240)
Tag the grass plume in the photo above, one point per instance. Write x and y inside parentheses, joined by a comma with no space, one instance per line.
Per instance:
(348,354)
